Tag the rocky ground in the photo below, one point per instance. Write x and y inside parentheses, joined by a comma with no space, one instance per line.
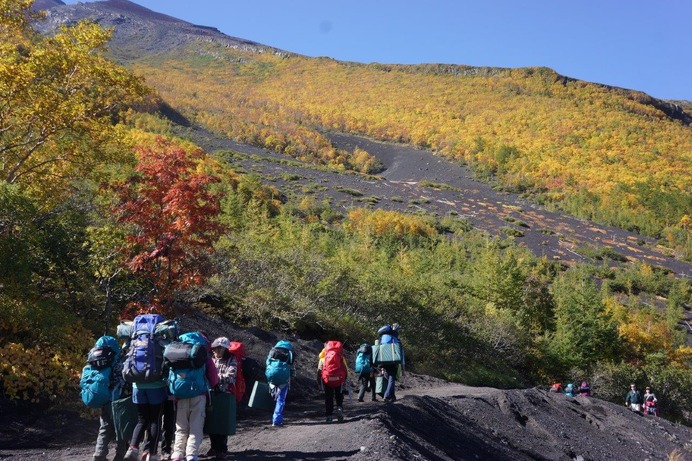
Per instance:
(431,420)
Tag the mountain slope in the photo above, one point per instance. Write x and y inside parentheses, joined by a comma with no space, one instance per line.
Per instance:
(615,156)
(431,420)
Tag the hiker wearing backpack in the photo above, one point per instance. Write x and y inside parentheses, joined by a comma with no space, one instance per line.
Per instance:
(143,367)
(227,366)
(192,374)
(279,370)
(100,384)
(366,372)
(634,399)
(391,365)
(570,390)
(332,372)
(585,389)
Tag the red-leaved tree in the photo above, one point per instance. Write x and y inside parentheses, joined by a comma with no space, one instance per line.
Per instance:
(171,214)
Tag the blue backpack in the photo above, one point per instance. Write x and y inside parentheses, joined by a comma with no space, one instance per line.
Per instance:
(96,381)
(279,361)
(364,359)
(144,362)
(186,383)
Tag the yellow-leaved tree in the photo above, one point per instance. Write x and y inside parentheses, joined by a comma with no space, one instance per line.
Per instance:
(59,98)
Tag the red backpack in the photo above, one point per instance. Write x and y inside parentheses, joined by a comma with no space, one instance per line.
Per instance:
(238,350)
(334,370)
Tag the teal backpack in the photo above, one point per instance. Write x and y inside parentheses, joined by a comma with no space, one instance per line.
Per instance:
(364,358)
(96,380)
(279,362)
(186,383)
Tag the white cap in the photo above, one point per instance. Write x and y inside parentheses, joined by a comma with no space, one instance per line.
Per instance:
(221,342)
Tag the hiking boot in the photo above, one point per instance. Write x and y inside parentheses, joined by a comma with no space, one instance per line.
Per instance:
(132,454)
(361,400)
(340,414)
(374,399)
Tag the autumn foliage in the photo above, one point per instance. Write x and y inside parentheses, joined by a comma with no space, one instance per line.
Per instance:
(170,211)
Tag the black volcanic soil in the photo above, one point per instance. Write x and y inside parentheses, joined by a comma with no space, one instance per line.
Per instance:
(398,187)
(431,420)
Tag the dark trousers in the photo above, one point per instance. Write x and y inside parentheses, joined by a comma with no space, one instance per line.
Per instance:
(366,381)
(330,393)
(148,420)
(390,375)
(219,442)
(168,426)
(106,435)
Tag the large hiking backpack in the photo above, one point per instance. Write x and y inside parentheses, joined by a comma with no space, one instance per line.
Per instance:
(144,361)
(333,369)
(364,358)
(388,354)
(96,381)
(188,382)
(238,350)
(178,355)
(279,363)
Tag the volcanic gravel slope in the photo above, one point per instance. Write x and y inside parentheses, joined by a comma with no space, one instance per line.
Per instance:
(451,191)
(431,420)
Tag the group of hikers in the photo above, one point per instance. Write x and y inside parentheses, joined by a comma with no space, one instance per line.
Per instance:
(572,390)
(634,400)
(375,365)
(647,403)
(183,386)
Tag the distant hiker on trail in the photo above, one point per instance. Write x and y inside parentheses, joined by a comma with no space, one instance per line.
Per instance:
(585,389)
(556,388)
(634,399)
(366,372)
(279,371)
(332,372)
(570,390)
(227,366)
(389,355)
(102,383)
(650,402)
(192,375)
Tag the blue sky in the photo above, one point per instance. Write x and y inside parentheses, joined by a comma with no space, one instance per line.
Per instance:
(637,44)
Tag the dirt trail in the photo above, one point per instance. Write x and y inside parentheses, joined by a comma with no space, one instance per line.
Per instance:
(446,422)
(431,420)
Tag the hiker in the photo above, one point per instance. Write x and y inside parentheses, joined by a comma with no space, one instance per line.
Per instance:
(634,399)
(104,371)
(556,388)
(366,372)
(650,402)
(585,389)
(190,385)
(279,371)
(144,368)
(570,390)
(332,372)
(227,367)
(168,426)
(390,335)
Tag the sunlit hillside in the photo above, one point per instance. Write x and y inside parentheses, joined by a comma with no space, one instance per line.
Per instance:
(597,152)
